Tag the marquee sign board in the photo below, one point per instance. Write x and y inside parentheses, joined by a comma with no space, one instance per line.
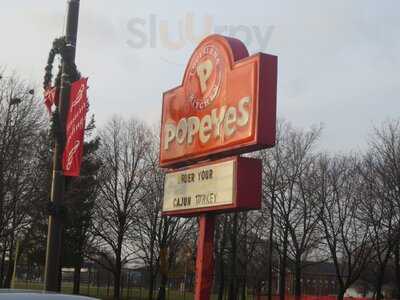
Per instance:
(225,185)
(226,104)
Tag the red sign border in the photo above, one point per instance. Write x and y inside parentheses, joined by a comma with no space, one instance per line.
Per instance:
(247,187)
(265,105)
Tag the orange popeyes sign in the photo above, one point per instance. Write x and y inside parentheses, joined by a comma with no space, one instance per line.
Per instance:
(226,104)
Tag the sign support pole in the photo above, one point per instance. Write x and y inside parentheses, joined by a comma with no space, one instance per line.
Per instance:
(205,258)
(53,251)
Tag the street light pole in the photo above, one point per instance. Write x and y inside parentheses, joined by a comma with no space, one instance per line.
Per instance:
(53,252)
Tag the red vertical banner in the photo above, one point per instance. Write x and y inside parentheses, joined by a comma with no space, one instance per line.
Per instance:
(75,128)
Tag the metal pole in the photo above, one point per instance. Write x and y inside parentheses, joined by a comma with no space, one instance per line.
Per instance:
(204,258)
(58,181)
(88,285)
(14,277)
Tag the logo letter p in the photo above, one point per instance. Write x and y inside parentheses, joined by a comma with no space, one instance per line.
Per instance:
(204,70)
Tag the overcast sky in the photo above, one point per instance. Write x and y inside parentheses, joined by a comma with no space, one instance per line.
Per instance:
(339,61)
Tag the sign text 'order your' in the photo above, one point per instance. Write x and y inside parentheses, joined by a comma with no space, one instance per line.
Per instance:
(200,199)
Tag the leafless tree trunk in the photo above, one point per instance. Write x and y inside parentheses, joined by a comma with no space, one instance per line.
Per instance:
(381,174)
(346,237)
(21,120)
(288,194)
(157,238)
(123,172)
(397,267)
(233,288)
(222,233)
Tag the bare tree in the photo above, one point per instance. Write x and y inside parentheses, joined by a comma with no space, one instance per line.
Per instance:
(381,174)
(304,237)
(251,251)
(158,238)
(124,168)
(345,235)
(256,252)
(220,250)
(21,120)
(235,238)
(288,193)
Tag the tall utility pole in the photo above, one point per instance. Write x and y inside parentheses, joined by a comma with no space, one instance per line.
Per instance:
(53,252)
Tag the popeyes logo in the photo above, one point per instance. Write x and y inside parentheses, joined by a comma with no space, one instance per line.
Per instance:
(205,77)
(226,104)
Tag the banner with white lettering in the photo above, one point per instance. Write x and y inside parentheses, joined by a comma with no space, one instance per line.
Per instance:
(75,128)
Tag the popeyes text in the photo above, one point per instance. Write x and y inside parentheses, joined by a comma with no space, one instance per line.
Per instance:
(222,122)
